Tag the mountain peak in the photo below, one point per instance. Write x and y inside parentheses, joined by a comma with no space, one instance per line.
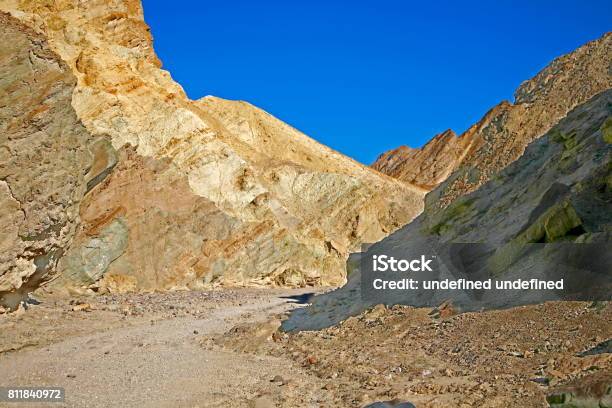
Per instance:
(500,137)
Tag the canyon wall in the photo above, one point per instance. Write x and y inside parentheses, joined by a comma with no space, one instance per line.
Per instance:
(558,192)
(172,193)
(45,161)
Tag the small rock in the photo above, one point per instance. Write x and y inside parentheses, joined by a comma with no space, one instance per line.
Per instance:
(82,307)
(443,311)
(363,397)
(71,375)
(555,373)
(196,332)
(601,348)
(263,402)
(541,380)
(277,379)
(377,312)
(391,404)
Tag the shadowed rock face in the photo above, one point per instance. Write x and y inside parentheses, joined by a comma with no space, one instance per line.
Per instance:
(463,164)
(559,191)
(45,160)
(182,193)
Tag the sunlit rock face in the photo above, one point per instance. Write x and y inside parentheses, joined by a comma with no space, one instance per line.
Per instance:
(173,193)
(45,159)
(428,166)
(459,165)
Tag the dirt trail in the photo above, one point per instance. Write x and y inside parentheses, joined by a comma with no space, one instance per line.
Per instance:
(156,362)
(222,349)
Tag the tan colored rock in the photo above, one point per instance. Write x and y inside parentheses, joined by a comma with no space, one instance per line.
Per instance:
(592,390)
(463,164)
(115,283)
(191,193)
(44,156)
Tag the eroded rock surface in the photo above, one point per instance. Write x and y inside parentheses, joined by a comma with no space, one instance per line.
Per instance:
(559,191)
(182,193)
(427,166)
(45,161)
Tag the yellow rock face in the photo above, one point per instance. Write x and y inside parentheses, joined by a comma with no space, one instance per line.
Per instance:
(211,191)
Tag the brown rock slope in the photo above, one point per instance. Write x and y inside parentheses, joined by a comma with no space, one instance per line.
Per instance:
(427,166)
(501,136)
(189,193)
(493,359)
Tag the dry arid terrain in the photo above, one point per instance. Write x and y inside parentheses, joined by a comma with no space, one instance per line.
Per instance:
(145,349)
(224,349)
(510,358)
(158,251)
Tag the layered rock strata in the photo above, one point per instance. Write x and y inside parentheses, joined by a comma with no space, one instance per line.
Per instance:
(182,193)
(45,160)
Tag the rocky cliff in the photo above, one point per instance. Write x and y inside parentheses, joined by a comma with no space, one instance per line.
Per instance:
(559,191)
(162,191)
(45,162)
(463,164)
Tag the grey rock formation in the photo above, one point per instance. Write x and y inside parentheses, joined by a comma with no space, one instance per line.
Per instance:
(559,191)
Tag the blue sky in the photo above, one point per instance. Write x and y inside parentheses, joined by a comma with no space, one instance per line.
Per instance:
(367,76)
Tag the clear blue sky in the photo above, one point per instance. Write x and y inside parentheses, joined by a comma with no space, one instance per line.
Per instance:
(366,76)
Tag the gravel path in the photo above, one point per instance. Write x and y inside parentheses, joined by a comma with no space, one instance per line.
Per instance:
(156,363)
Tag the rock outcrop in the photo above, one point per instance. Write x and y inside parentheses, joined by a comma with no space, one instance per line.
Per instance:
(428,166)
(559,191)
(460,165)
(45,160)
(184,193)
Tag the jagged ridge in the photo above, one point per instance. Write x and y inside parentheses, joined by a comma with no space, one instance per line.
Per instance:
(462,164)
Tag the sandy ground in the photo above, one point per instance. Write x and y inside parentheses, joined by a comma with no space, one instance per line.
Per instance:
(223,349)
(145,350)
